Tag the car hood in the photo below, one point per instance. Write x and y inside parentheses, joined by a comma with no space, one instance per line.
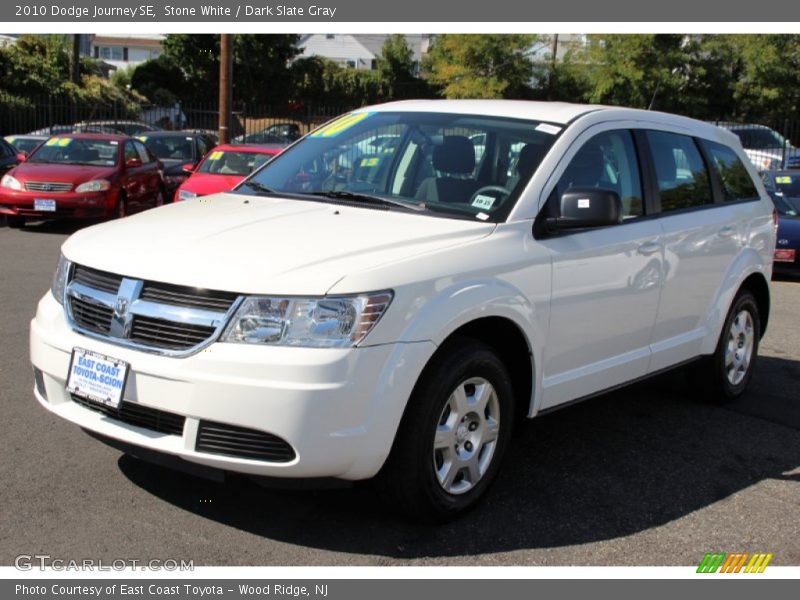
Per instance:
(202,183)
(263,245)
(74,174)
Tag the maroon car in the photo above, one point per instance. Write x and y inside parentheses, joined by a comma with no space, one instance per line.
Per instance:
(82,176)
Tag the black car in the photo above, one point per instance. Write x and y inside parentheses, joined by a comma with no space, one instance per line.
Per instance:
(9,157)
(279,133)
(784,188)
(177,150)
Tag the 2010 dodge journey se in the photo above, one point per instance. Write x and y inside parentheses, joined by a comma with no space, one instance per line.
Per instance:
(399,287)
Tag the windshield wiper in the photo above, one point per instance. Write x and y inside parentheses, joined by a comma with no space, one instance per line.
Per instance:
(259,187)
(360,197)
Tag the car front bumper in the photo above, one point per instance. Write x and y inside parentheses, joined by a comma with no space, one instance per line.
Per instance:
(20,203)
(338,409)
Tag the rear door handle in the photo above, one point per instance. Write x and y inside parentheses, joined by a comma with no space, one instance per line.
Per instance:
(727,231)
(649,248)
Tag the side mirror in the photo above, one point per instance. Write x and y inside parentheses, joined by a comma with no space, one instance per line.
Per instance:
(582,208)
(188,168)
(133,162)
(22,157)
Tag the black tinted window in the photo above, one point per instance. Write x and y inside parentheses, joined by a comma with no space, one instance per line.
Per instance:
(736,181)
(681,173)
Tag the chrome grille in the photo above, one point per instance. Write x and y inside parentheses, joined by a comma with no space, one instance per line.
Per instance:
(186,296)
(166,334)
(241,442)
(97,279)
(47,186)
(146,315)
(94,317)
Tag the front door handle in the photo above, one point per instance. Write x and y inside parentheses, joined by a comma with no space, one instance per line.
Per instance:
(649,248)
(727,231)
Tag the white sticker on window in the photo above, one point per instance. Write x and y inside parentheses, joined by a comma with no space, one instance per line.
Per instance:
(547,128)
(482,216)
(584,203)
(482,201)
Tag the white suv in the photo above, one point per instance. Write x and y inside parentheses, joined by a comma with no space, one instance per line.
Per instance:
(359,308)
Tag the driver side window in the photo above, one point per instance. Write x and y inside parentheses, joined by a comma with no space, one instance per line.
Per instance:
(608,162)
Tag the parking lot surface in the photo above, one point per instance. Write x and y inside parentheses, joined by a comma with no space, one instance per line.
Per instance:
(640,476)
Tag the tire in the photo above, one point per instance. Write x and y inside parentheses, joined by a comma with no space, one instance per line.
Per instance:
(15,222)
(724,376)
(453,435)
(121,207)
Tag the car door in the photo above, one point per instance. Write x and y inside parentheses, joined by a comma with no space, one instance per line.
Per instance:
(151,173)
(8,157)
(605,281)
(136,178)
(701,240)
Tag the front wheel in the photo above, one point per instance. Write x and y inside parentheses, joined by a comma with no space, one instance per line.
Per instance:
(724,376)
(15,222)
(454,434)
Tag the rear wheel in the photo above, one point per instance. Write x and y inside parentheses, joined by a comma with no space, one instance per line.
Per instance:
(724,376)
(453,436)
(15,222)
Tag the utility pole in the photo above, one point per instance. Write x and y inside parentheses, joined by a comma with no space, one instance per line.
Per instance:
(225,86)
(76,59)
(553,56)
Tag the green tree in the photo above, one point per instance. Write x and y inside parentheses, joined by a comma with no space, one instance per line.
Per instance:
(481,66)
(639,71)
(161,80)
(260,66)
(395,66)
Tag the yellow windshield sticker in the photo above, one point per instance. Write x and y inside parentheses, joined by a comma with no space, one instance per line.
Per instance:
(141,137)
(784,179)
(369,162)
(60,142)
(340,125)
(215,155)
(10,139)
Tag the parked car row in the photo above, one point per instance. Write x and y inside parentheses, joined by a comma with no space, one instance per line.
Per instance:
(103,175)
(766,148)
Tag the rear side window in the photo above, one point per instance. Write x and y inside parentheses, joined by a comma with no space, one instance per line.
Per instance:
(736,181)
(682,176)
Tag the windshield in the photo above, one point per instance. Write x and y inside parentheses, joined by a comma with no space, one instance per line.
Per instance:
(788,185)
(226,162)
(177,147)
(464,166)
(71,151)
(760,139)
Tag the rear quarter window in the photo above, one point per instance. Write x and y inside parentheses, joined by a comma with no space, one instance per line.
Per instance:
(736,181)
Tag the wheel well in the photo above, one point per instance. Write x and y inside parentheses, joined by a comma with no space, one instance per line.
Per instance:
(507,339)
(757,285)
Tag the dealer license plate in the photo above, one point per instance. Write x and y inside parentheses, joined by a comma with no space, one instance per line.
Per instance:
(784,255)
(97,377)
(44,205)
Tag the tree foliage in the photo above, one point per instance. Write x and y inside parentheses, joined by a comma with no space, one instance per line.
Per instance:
(481,66)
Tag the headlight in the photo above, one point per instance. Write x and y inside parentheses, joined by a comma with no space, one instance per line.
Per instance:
(59,285)
(10,182)
(186,195)
(96,185)
(334,322)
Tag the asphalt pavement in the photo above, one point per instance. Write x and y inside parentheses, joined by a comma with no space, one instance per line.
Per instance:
(640,476)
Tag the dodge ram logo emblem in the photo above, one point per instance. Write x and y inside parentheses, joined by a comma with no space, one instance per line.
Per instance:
(121,307)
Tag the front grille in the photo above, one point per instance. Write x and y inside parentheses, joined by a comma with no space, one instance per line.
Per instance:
(186,296)
(47,186)
(137,415)
(163,317)
(94,317)
(241,442)
(98,280)
(161,333)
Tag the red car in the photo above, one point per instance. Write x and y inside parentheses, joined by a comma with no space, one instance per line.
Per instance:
(82,176)
(224,167)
